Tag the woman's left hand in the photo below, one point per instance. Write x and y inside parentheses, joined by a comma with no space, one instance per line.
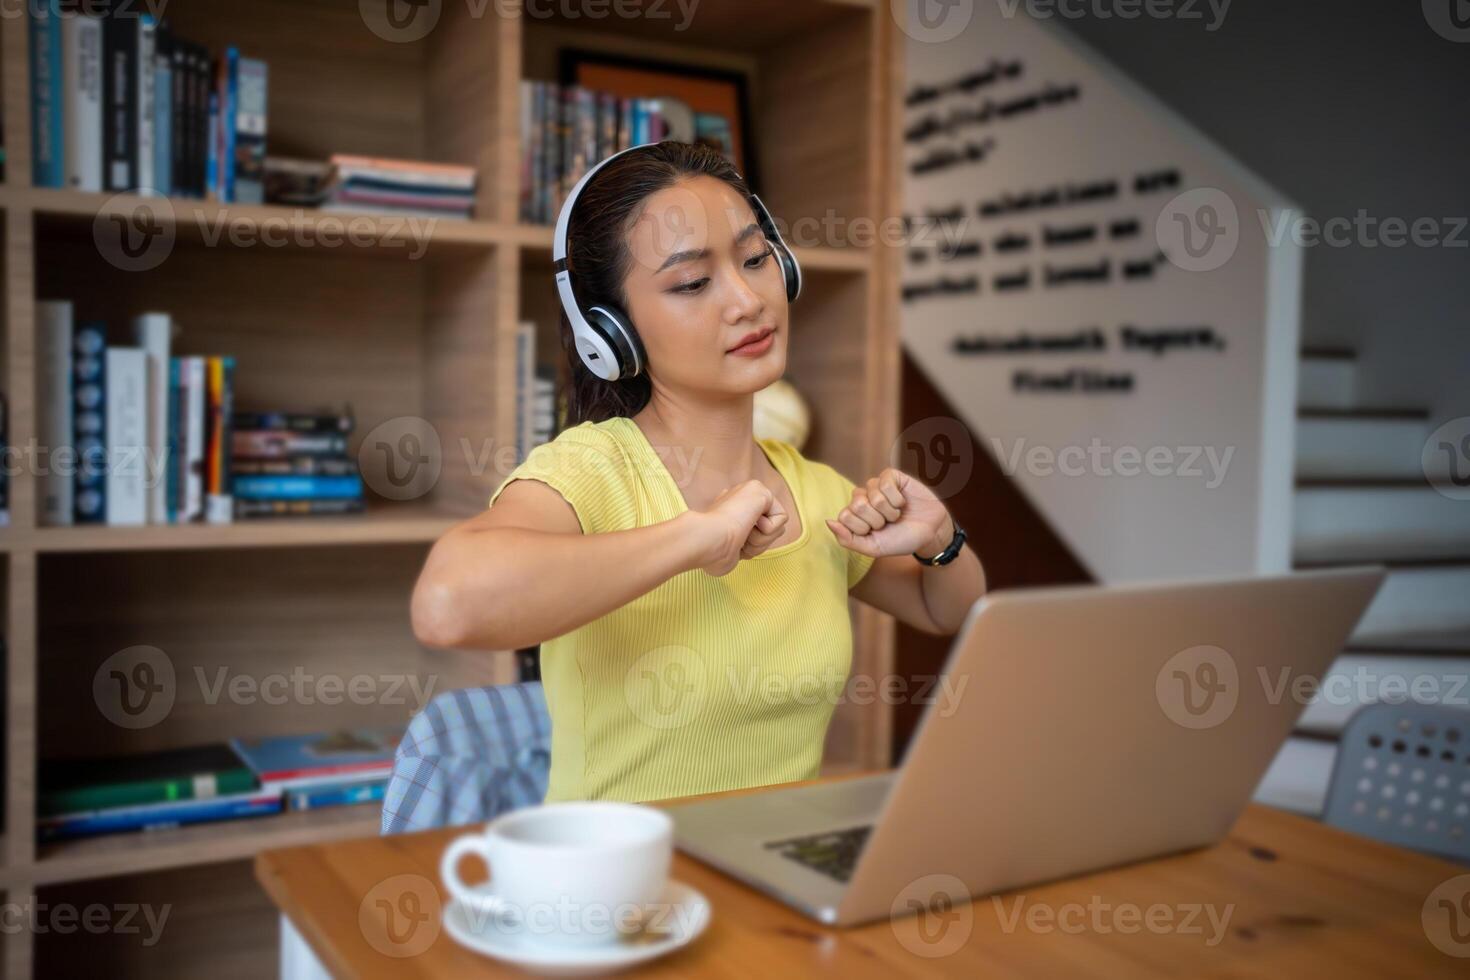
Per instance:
(893,514)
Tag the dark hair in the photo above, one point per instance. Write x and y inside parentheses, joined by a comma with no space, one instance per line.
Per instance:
(599,258)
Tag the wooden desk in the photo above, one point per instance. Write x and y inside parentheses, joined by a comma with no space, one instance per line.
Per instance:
(1302,900)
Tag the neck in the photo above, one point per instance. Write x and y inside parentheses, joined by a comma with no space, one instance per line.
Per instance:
(714,435)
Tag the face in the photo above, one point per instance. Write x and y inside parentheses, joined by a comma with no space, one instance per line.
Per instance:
(703,278)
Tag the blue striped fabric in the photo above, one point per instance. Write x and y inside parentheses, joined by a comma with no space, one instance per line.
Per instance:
(468,756)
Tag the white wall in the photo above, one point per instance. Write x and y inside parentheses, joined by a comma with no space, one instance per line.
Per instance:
(1237,403)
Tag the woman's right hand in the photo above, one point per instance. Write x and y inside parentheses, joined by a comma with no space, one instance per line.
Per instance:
(744,520)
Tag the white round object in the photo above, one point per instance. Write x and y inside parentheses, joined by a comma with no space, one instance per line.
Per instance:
(781,413)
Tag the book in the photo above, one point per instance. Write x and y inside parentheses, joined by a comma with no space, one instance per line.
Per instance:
(295,466)
(89,408)
(180,78)
(227,81)
(81,75)
(48,164)
(193,438)
(173,483)
(200,772)
(163,112)
(277,444)
(152,332)
(157,816)
(251,120)
(283,763)
(127,435)
(119,98)
(337,794)
(145,171)
(295,421)
(54,410)
(248,487)
(220,381)
(299,508)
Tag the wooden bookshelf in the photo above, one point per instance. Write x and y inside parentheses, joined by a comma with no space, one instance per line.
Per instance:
(398,321)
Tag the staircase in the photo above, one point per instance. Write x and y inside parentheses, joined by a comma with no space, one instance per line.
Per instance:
(1362,496)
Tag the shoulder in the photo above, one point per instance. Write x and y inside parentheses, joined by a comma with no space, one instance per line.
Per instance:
(590,466)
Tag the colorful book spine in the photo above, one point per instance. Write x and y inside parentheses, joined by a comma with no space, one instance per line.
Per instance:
(350,794)
(127,436)
(218,508)
(211,154)
(54,423)
(157,816)
(295,466)
(297,487)
(251,122)
(120,99)
(147,110)
(163,112)
(293,421)
(81,68)
(194,438)
(48,163)
(174,483)
(152,333)
(316,507)
(203,786)
(89,417)
(228,96)
(275,444)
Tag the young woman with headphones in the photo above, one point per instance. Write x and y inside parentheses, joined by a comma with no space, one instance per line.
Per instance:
(694,628)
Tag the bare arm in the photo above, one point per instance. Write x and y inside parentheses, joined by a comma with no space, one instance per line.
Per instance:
(523,572)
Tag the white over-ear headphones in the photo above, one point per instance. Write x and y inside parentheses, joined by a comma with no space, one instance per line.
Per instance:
(605,337)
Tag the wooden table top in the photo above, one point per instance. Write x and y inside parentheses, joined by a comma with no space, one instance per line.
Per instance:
(1281,896)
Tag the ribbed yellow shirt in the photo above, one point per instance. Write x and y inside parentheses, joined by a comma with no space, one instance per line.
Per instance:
(704,683)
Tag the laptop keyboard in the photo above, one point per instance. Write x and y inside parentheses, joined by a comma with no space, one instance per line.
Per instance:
(833,853)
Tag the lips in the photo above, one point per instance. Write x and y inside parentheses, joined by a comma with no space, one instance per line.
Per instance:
(752,338)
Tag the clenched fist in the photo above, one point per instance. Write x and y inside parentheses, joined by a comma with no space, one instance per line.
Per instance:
(744,520)
(893,514)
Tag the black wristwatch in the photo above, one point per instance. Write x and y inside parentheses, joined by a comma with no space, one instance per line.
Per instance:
(950,552)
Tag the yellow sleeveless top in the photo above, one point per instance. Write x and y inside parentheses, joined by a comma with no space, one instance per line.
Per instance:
(704,683)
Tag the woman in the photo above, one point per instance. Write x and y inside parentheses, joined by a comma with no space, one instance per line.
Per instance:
(690,600)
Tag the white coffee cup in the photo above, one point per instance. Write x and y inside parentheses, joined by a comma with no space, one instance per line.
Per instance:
(576,872)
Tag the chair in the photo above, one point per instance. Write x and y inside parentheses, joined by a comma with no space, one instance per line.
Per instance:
(468,756)
(1402,775)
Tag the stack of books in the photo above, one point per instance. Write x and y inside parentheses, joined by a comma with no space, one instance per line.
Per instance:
(246,778)
(119,103)
(153,790)
(294,463)
(135,436)
(400,187)
(565,129)
(329,769)
(536,404)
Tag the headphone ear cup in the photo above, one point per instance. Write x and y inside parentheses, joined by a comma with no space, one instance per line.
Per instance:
(618,331)
(790,271)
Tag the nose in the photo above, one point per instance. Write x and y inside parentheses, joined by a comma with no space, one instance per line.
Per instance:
(744,302)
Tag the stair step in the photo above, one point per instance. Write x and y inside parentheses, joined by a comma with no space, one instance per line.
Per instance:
(1326,382)
(1418,599)
(1359,679)
(1421,642)
(1298,777)
(1328,352)
(1341,445)
(1386,522)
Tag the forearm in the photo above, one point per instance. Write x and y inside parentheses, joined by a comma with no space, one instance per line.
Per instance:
(503,588)
(950,590)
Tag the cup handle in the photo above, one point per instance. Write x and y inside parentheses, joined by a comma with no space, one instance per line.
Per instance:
(449,873)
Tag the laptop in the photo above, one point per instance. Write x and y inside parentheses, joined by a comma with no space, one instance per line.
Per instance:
(1084,727)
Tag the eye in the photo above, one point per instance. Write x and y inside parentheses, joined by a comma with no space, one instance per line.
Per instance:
(756,261)
(689,287)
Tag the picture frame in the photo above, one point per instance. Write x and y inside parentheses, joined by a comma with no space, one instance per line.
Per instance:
(712,93)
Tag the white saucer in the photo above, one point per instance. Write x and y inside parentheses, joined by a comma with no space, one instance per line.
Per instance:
(687,913)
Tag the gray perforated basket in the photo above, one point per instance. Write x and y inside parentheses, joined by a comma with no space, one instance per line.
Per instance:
(1403,776)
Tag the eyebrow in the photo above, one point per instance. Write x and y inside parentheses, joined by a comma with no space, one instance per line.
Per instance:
(699,253)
